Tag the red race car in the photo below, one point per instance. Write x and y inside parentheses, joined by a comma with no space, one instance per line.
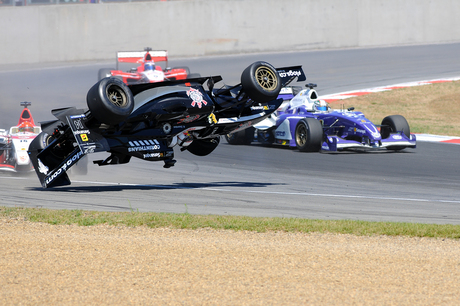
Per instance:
(153,67)
(14,143)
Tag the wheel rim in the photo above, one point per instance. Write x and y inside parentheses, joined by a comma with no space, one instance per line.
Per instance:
(116,96)
(266,78)
(301,135)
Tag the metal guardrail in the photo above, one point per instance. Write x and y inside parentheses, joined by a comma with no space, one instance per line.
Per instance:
(54,2)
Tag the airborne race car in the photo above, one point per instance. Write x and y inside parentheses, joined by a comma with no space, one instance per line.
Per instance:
(307,123)
(147,120)
(15,142)
(149,69)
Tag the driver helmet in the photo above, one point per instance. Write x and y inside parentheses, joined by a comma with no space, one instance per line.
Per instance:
(149,66)
(26,127)
(321,105)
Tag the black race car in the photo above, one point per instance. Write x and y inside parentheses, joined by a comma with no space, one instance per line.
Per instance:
(147,120)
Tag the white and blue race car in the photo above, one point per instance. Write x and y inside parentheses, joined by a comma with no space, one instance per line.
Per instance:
(307,123)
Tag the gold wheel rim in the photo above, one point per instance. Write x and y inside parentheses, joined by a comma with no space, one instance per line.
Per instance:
(266,78)
(116,96)
(301,135)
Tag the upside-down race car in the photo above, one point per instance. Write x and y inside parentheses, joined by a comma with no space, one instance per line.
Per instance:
(147,120)
(152,67)
(15,142)
(308,123)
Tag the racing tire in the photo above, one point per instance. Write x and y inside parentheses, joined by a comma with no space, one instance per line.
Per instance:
(110,101)
(243,137)
(203,147)
(394,124)
(308,135)
(261,82)
(104,73)
(266,137)
(46,137)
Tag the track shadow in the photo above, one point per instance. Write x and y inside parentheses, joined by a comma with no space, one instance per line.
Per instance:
(122,187)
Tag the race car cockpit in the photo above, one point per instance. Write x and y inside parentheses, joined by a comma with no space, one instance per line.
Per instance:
(306,100)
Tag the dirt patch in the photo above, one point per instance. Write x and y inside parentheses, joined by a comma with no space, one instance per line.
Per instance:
(44,264)
(432,109)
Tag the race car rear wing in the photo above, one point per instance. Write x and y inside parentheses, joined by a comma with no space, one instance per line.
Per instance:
(288,74)
(139,56)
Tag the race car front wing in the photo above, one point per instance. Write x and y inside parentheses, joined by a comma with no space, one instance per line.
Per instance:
(396,140)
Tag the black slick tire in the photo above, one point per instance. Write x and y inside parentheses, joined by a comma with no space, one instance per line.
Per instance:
(394,124)
(261,82)
(243,137)
(203,147)
(308,135)
(110,101)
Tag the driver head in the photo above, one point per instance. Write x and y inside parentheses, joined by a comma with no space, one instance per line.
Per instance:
(321,105)
(149,66)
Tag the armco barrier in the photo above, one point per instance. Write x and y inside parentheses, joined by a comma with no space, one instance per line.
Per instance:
(73,32)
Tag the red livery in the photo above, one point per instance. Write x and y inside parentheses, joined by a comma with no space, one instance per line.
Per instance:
(152,67)
(14,143)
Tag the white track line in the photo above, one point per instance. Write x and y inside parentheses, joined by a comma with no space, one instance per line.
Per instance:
(275,192)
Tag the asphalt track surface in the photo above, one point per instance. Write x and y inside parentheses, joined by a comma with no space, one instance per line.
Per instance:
(415,185)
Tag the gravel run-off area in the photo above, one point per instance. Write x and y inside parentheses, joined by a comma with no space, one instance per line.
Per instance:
(43,264)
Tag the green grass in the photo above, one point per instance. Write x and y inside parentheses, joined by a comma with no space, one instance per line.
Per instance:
(236,223)
(430,109)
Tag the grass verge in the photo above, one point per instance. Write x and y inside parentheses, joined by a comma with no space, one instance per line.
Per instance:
(236,223)
(431,109)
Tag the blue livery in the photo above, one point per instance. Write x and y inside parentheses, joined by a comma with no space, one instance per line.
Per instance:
(305,122)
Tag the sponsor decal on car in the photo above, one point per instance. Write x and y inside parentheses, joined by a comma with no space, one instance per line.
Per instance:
(197,97)
(77,116)
(42,168)
(89,149)
(82,132)
(265,107)
(212,119)
(70,162)
(282,142)
(78,124)
(153,155)
(143,145)
(286,90)
(290,73)
(280,133)
(189,119)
